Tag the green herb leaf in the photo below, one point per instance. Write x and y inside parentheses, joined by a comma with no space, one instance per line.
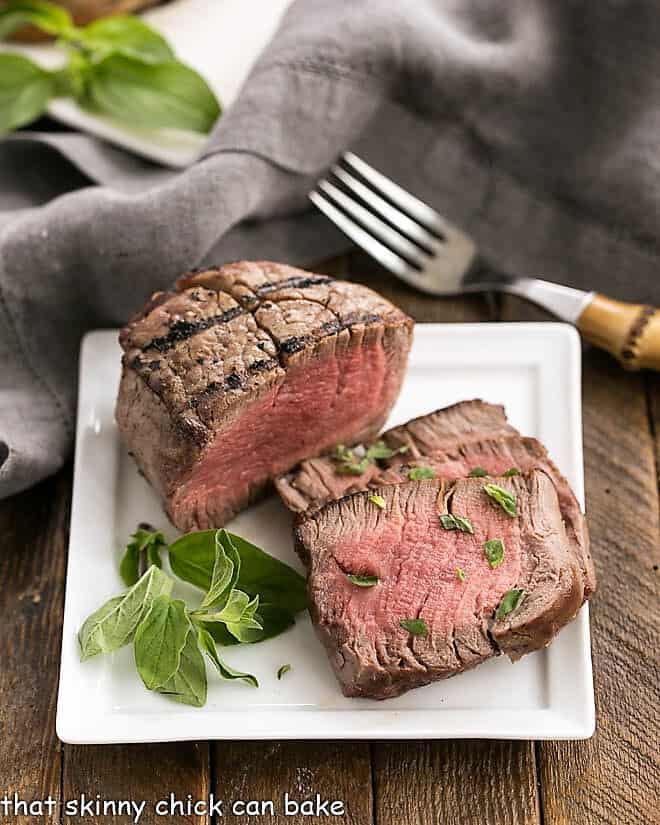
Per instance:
(207,645)
(512,471)
(47,17)
(127,35)
(141,552)
(380,451)
(284,669)
(450,521)
(504,498)
(226,569)
(154,95)
(379,501)
(494,552)
(188,685)
(420,473)
(159,640)
(114,624)
(274,620)
(25,89)
(510,601)
(460,574)
(417,627)
(362,581)
(192,559)
(477,472)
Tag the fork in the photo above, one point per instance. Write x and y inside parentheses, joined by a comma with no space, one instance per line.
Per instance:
(427,251)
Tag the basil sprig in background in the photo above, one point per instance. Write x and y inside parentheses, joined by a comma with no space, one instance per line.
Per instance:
(249,597)
(118,66)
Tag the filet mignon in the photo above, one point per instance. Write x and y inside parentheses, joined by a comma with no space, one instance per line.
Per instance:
(243,371)
(453,442)
(437,606)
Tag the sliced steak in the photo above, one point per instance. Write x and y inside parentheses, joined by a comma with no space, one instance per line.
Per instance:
(453,442)
(436,575)
(245,370)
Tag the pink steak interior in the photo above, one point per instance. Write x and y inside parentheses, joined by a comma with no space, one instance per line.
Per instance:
(321,403)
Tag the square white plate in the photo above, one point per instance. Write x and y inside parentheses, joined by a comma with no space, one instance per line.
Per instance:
(533,368)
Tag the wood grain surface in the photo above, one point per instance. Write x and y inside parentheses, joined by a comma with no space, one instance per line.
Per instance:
(613,778)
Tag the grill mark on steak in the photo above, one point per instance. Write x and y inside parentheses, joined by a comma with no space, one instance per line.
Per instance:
(296,282)
(181,330)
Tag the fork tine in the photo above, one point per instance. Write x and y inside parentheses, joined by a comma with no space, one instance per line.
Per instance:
(412,205)
(375,248)
(382,231)
(385,209)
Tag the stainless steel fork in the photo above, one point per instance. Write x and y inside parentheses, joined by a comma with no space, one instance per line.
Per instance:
(424,249)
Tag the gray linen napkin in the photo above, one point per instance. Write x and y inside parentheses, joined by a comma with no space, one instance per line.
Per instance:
(532,123)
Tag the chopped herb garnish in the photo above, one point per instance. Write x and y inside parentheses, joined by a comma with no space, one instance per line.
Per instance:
(477,472)
(284,669)
(510,601)
(380,451)
(420,473)
(451,522)
(362,581)
(417,627)
(504,498)
(460,574)
(379,501)
(512,471)
(494,552)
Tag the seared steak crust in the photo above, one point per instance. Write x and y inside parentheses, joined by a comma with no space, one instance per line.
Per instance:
(197,357)
(416,563)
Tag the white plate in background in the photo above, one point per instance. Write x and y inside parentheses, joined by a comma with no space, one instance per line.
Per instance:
(534,369)
(221,39)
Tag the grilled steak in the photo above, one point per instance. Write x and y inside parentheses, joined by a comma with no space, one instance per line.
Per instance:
(453,441)
(439,576)
(243,371)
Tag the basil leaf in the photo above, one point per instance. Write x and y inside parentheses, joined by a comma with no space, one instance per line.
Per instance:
(504,498)
(188,684)
(274,620)
(47,17)
(192,559)
(362,581)
(281,671)
(128,35)
(234,608)
(449,521)
(154,95)
(141,552)
(379,501)
(477,472)
(226,568)
(25,89)
(114,624)
(207,645)
(494,552)
(420,473)
(460,574)
(246,631)
(512,471)
(417,627)
(380,450)
(510,601)
(159,640)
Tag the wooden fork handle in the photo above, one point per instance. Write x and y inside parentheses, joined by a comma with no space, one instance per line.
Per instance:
(630,332)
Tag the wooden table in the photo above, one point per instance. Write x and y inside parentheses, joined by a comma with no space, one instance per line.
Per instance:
(613,778)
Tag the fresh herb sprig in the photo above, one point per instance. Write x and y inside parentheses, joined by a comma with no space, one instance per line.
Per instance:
(118,66)
(250,596)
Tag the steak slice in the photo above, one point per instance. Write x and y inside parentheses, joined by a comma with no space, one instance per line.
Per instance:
(439,576)
(243,371)
(453,442)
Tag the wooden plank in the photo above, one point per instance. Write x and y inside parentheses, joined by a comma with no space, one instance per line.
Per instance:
(455,783)
(148,773)
(265,771)
(615,777)
(33,529)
